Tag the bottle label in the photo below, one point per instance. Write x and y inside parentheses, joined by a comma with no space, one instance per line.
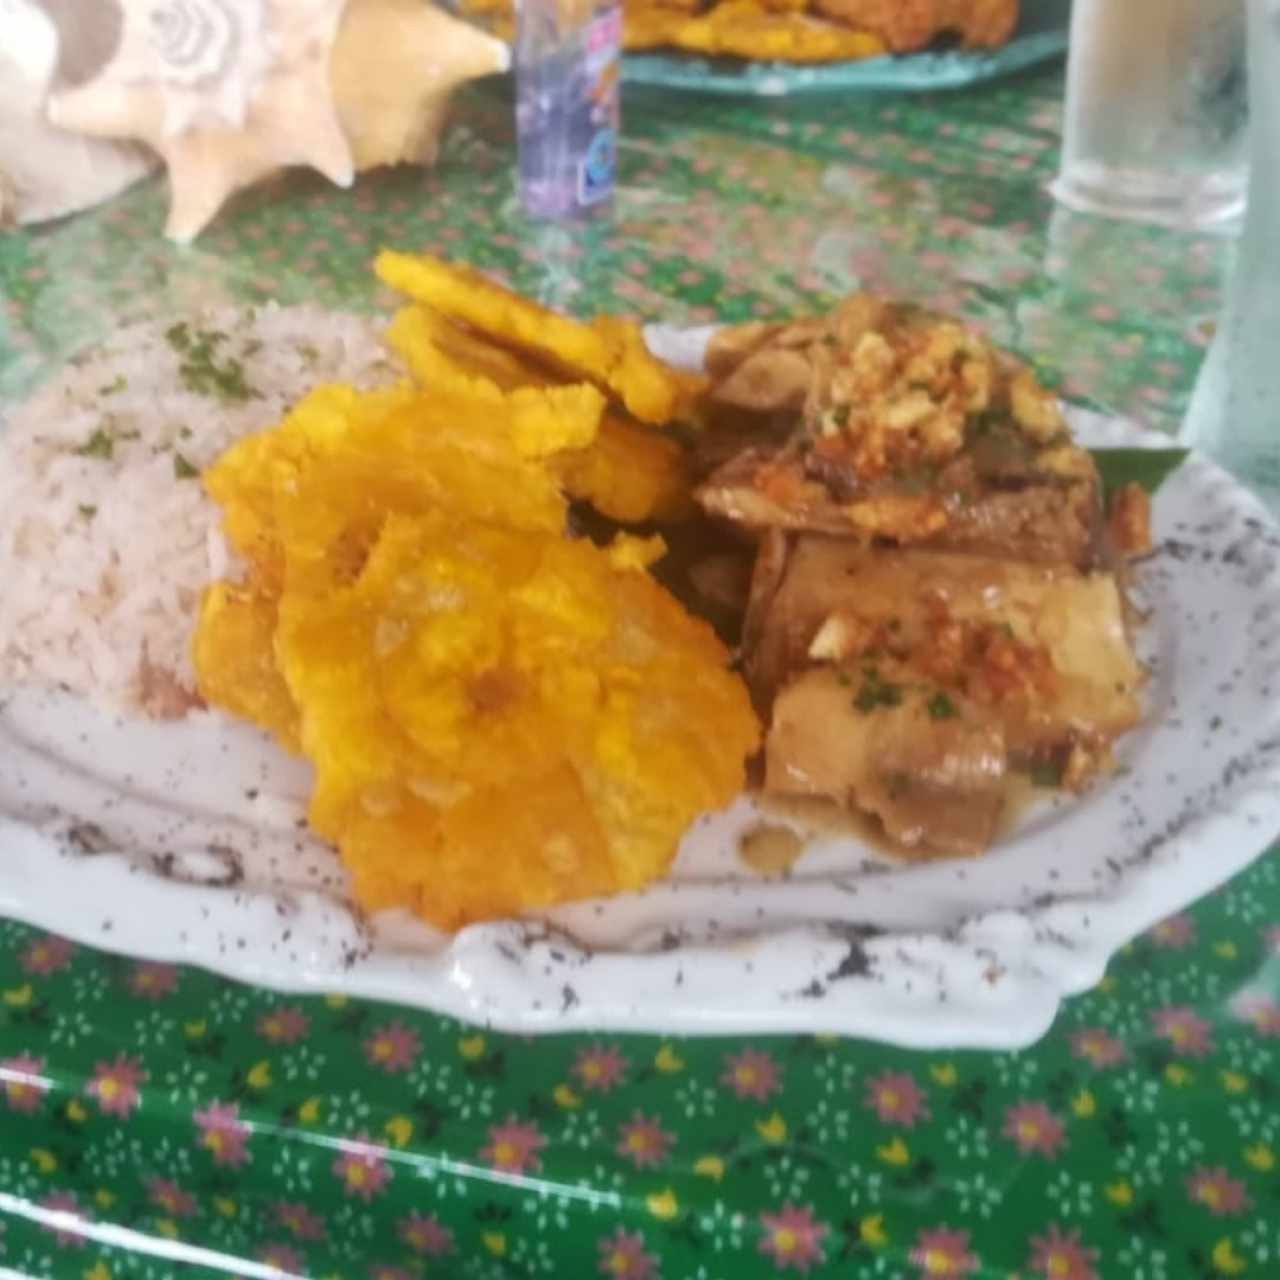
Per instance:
(567,114)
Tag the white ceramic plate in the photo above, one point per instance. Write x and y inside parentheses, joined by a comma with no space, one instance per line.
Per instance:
(186,843)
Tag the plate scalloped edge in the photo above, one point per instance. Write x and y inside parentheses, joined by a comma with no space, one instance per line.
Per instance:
(987,978)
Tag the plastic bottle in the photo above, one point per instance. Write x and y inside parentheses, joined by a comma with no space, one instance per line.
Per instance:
(567,105)
(1235,409)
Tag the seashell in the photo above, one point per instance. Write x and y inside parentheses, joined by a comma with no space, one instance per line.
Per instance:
(227,91)
(47,172)
(394,66)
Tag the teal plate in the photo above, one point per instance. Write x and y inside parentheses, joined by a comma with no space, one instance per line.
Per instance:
(1041,35)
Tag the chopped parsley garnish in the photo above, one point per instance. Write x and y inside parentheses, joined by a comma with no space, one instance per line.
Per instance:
(941,707)
(1006,630)
(201,369)
(840,415)
(87,511)
(182,469)
(876,692)
(98,445)
(844,679)
(117,384)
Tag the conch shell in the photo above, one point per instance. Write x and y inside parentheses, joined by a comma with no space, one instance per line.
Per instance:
(393,68)
(227,91)
(47,172)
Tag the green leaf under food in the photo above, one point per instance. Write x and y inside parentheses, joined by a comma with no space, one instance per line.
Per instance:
(1148,467)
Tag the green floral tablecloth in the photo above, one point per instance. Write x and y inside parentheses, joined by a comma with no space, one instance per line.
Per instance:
(158,1121)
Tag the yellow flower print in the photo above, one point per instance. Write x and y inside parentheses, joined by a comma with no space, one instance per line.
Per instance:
(667,1060)
(895,1152)
(663,1204)
(871,1231)
(1120,1193)
(259,1076)
(1226,1260)
(1260,1156)
(399,1129)
(774,1129)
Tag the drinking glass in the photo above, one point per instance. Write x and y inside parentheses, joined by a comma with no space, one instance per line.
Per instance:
(1235,409)
(1156,115)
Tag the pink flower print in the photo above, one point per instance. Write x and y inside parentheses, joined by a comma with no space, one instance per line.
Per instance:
(223,1134)
(942,1252)
(1097,1047)
(170,1198)
(65,1233)
(1260,1010)
(622,1257)
(285,1025)
(299,1221)
(425,1235)
(643,1142)
(24,1086)
(792,1238)
(392,1047)
(751,1074)
(513,1146)
(282,1257)
(896,1099)
(360,1167)
(47,954)
(1059,1256)
(153,981)
(1175,932)
(384,1271)
(1223,1196)
(115,1085)
(599,1067)
(1188,1033)
(1033,1127)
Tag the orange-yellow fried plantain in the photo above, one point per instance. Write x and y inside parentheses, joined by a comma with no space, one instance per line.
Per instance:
(607,351)
(504,720)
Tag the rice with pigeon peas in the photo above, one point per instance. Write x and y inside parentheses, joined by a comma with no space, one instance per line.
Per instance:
(106,535)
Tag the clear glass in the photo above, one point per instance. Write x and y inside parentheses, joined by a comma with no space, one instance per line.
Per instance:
(1156,112)
(1235,410)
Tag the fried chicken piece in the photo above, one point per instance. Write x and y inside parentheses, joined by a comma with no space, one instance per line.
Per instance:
(608,351)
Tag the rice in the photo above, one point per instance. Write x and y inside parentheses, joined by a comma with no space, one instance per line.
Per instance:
(106,535)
